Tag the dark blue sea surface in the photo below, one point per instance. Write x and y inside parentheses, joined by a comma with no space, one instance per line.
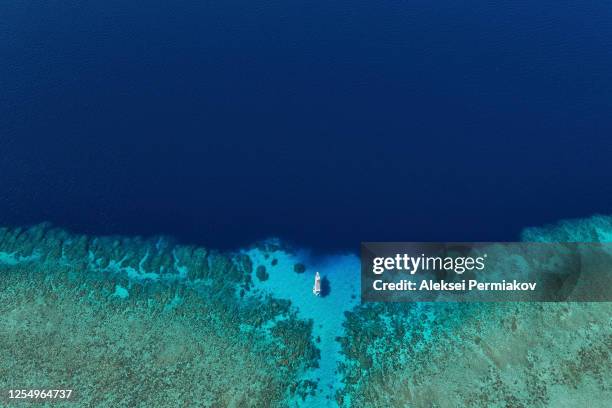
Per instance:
(324,123)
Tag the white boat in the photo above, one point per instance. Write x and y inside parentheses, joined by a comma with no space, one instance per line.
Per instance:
(316,289)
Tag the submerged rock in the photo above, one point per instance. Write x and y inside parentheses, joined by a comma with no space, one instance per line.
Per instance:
(299,268)
(261,273)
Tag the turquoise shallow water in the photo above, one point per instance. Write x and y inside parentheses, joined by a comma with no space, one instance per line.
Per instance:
(148,322)
(327,312)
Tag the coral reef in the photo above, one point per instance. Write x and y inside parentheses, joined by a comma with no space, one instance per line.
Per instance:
(477,355)
(483,354)
(594,229)
(129,322)
(136,322)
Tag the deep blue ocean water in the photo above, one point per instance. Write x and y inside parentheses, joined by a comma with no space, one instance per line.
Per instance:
(324,123)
